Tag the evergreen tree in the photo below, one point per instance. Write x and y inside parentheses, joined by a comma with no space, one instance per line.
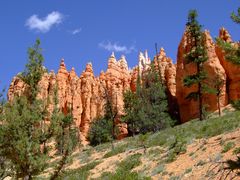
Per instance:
(153,112)
(103,129)
(100,131)
(146,110)
(24,136)
(34,70)
(236,17)
(131,103)
(232,52)
(198,56)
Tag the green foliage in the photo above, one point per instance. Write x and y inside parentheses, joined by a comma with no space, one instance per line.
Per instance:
(66,134)
(184,134)
(100,131)
(236,104)
(124,170)
(158,169)
(228,146)
(81,173)
(198,56)
(103,129)
(147,109)
(236,151)
(116,150)
(21,139)
(232,52)
(24,132)
(131,106)
(34,69)
(177,146)
(188,170)
(200,163)
(22,127)
(236,17)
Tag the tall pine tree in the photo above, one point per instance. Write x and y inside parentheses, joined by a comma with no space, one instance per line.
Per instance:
(198,56)
(24,136)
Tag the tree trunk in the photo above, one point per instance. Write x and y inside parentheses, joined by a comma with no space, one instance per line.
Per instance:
(219,106)
(200,95)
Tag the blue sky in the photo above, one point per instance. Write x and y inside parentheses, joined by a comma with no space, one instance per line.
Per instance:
(82,31)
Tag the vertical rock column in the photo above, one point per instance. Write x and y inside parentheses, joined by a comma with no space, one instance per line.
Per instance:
(189,108)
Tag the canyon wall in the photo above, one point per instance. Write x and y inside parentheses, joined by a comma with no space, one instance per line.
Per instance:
(87,94)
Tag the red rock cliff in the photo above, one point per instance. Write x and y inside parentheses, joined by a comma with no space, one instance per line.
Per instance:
(189,108)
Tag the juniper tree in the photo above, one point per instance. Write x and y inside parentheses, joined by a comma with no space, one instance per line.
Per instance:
(197,55)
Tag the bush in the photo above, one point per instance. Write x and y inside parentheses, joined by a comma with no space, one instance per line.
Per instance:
(100,131)
(147,108)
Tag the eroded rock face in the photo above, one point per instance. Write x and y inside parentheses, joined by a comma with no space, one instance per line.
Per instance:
(189,108)
(167,73)
(232,70)
(85,95)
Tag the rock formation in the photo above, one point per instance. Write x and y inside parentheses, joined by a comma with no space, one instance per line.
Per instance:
(232,70)
(189,108)
(86,95)
(167,72)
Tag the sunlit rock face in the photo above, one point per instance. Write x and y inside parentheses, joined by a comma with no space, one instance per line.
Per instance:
(86,95)
(232,70)
(189,108)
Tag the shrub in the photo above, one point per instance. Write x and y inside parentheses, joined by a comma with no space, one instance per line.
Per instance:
(100,131)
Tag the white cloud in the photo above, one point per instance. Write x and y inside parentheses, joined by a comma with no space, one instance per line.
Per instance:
(76,31)
(109,46)
(44,24)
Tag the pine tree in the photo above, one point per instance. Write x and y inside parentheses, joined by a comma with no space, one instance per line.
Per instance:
(236,17)
(24,136)
(146,109)
(232,52)
(153,113)
(198,56)
(103,129)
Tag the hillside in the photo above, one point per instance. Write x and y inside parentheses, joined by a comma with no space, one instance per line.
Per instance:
(195,150)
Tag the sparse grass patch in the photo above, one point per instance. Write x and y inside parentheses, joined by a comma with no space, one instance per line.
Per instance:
(116,150)
(228,146)
(79,174)
(163,146)
(175,178)
(191,154)
(156,152)
(188,170)
(236,151)
(158,169)
(201,163)
(124,170)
